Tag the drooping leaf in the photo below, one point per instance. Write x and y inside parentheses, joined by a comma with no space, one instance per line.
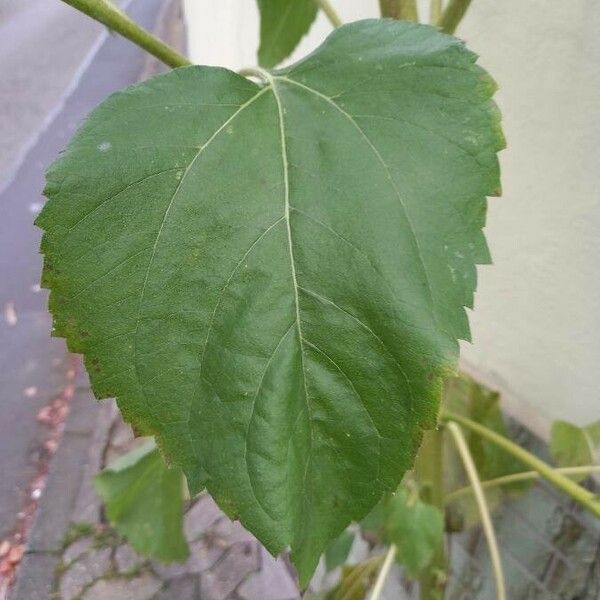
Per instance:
(573,446)
(338,549)
(283,23)
(415,527)
(271,277)
(143,500)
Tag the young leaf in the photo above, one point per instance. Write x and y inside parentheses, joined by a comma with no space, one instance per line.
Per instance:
(271,278)
(283,23)
(143,500)
(415,527)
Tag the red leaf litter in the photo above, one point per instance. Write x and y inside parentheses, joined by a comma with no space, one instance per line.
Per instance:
(52,418)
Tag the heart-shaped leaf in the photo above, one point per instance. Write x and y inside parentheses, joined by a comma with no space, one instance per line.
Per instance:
(271,278)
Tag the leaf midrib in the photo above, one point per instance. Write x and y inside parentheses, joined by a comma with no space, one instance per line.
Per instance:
(284,158)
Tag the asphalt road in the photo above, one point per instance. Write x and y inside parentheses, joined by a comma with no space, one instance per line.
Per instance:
(55,66)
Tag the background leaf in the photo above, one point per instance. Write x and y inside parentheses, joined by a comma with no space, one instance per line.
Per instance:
(415,527)
(143,500)
(271,278)
(338,549)
(283,23)
(573,446)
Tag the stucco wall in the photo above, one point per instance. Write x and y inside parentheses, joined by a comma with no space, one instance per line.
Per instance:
(536,324)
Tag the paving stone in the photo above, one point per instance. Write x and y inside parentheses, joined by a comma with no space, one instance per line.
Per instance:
(228,573)
(76,549)
(229,532)
(201,516)
(272,582)
(202,557)
(87,505)
(127,559)
(183,588)
(137,588)
(83,571)
(122,434)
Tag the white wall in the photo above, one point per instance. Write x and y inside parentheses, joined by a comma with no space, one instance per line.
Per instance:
(536,324)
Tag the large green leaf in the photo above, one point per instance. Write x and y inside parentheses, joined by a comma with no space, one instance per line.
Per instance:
(271,277)
(283,23)
(143,499)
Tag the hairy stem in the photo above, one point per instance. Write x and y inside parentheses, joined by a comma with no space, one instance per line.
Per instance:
(405,10)
(575,491)
(452,16)
(486,520)
(383,573)
(110,15)
(517,477)
(330,12)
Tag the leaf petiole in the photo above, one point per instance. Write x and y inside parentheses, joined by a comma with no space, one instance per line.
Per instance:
(453,15)
(330,12)
(106,13)
(578,493)
(518,477)
(384,571)
(486,520)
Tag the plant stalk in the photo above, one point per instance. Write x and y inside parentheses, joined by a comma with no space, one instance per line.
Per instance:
(383,573)
(435,11)
(453,15)
(330,12)
(486,520)
(429,472)
(110,15)
(572,489)
(402,10)
(518,477)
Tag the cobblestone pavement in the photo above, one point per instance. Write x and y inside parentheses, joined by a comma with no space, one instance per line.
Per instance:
(225,563)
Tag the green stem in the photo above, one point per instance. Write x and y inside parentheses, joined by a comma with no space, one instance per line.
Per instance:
(404,10)
(108,14)
(383,573)
(435,11)
(453,15)
(330,12)
(429,472)
(517,477)
(581,495)
(486,520)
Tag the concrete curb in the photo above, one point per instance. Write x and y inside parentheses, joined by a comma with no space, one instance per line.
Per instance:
(55,511)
